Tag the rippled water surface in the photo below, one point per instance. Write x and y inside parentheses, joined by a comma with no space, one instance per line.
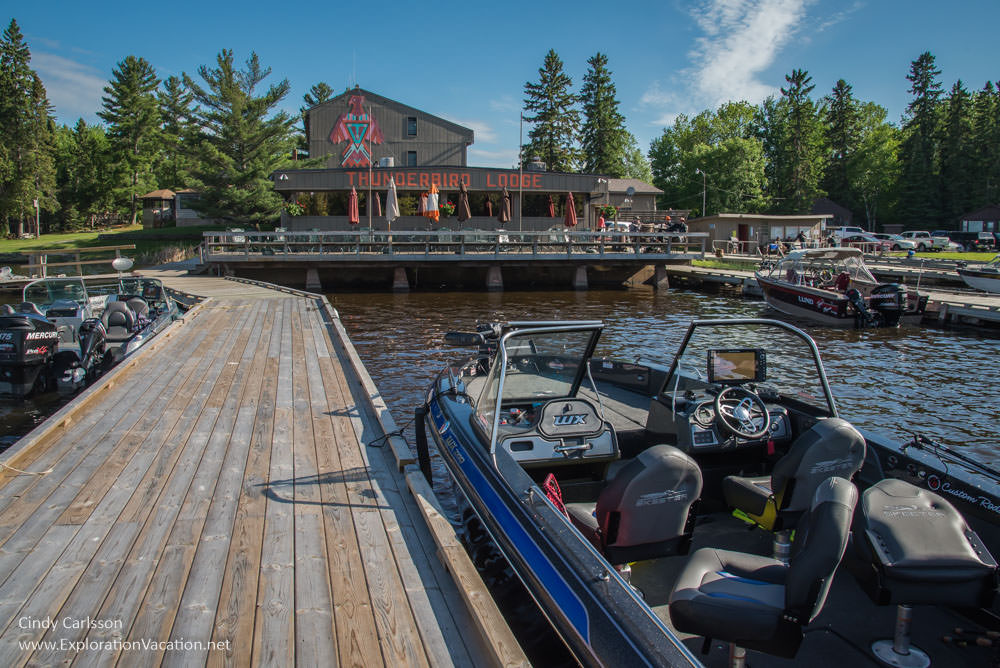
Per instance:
(935,381)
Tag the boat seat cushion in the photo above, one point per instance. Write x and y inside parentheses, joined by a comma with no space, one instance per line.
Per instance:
(920,549)
(583,518)
(118,321)
(722,589)
(748,494)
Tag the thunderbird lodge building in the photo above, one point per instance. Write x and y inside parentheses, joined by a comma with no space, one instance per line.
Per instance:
(367,140)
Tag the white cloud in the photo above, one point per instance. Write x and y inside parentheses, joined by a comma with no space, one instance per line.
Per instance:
(505,104)
(503,159)
(73,88)
(742,39)
(484,132)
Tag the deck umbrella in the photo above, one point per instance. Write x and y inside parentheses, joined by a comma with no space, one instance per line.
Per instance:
(391,203)
(504,215)
(463,211)
(432,212)
(352,207)
(377,203)
(570,218)
(552,208)
(489,206)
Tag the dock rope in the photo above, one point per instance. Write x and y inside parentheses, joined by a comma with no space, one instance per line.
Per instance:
(19,471)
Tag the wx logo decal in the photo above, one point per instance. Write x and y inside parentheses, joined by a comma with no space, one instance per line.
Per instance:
(566,420)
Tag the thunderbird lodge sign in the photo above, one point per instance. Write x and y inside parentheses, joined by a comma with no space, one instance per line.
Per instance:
(422,178)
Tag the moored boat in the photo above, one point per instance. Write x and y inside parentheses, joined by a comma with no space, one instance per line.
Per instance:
(834,287)
(983,277)
(596,478)
(65,333)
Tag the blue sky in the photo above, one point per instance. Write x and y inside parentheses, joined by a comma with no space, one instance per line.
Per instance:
(469,61)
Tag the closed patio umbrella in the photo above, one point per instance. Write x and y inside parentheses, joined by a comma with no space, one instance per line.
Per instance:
(570,218)
(377,203)
(504,215)
(552,208)
(391,203)
(352,207)
(463,211)
(489,206)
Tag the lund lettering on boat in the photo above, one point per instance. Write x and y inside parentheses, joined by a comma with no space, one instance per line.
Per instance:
(806,300)
(41,335)
(566,420)
(656,498)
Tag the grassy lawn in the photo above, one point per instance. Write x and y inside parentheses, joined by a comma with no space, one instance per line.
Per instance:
(143,239)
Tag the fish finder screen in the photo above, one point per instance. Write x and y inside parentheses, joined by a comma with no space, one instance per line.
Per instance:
(736,366)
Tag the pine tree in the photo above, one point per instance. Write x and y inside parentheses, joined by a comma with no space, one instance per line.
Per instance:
(131,110)
(318,94)
(177,132)
(956,153)
(551,107)
(603,138)
(920,193)
(801,149)
(27,136)
(842,138)
(242,141)
(985,181)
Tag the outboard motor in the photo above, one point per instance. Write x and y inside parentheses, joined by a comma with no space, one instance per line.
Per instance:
(862,315)
(889,300)
(27,344)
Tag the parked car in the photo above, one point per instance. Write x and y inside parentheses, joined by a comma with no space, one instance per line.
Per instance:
(974,241)
(897,243)
(868,243)
(840,232)
(925,240)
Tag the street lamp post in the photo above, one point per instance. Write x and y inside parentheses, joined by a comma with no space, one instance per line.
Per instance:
(703,185)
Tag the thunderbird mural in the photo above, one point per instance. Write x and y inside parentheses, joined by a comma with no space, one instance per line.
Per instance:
(359,129)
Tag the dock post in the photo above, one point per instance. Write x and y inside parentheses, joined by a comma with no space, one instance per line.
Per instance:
(580,278)
(661,281)
(400,283)
(312,280)
(494,279)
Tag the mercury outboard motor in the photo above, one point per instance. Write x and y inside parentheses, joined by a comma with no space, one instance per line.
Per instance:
(27,344)
(863,316)
(889,300)
(73,372)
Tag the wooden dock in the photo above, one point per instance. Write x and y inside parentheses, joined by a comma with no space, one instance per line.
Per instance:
(217,501)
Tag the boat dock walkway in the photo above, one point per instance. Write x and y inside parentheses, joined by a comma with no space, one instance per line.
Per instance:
(217,500)
(944,305)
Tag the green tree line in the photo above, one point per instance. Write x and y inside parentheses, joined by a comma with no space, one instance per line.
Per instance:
(784,154)
(218,133)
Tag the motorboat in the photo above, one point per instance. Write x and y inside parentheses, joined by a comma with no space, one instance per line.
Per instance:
(647,507)
(834,287)
(65,333)
(984,277)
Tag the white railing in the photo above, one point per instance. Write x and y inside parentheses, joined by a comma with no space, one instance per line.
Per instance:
(464,244)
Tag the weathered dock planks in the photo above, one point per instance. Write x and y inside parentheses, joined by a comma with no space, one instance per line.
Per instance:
(215,503)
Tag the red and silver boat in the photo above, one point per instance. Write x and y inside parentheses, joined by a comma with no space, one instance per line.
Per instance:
(984,277)
(833,287)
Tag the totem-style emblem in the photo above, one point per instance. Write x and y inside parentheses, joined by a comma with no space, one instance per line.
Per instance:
(358,128)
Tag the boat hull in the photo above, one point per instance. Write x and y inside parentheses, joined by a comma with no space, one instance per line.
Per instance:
(821,306)
(981,280)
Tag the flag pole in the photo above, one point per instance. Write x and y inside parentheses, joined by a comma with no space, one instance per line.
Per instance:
(370,158)
(520,175)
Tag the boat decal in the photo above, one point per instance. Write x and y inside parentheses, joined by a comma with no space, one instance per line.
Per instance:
(40,350)
(656,498)
(980,500)
(566,420)
(550,578)
(6,336)
(32,336)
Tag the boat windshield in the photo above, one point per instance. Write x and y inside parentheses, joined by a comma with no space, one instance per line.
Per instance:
(534,365)
(50,290)
(791,363)
(820,266)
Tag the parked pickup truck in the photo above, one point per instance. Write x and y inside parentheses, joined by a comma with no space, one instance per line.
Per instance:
(925,241)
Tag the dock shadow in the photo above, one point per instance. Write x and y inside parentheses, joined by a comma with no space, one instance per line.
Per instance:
(275,490)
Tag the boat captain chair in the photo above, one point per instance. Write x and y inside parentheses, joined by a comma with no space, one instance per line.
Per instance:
(761,603)
(119,321)
(831,447)
(644,510)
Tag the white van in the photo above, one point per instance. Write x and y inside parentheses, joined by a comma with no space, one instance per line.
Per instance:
(840,232)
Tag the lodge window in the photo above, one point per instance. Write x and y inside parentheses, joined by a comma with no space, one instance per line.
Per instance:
(411,158)
(411,126)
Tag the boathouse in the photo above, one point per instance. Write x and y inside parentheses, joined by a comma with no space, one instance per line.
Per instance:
(368,140)
(759,228)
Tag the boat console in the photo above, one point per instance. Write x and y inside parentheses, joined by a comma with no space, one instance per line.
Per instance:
(558,431)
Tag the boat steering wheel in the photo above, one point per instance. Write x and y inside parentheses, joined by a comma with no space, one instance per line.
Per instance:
(737,408)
